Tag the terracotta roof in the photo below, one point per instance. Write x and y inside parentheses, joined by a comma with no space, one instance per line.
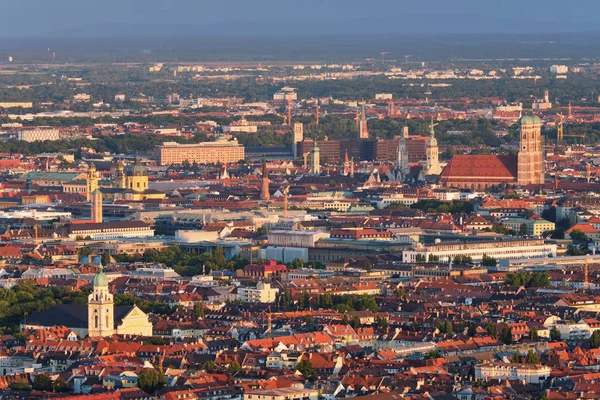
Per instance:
(481,166)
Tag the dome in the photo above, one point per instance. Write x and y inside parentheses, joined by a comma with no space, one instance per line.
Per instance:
(100,279)
(138,169)
(531,120)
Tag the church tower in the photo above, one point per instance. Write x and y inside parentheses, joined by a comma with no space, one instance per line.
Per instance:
(530,158)
(97,206)
(264,188)
(432,165)
(92,181)
(316,159)
(101,308)
(137,180)
(362,124)
(297,137)
(119,181)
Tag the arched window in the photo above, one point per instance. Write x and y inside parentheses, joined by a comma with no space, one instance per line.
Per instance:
(96,321)
(107,320)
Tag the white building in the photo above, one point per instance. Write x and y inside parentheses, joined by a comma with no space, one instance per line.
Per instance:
(289,393)
(263,293)
(559,69)
(304,239)
(530,373)
(35,135)
(498,249)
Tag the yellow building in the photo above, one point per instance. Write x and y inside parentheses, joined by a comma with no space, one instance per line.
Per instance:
(100,318)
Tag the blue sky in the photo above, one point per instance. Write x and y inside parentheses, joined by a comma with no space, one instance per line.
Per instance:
(271,17)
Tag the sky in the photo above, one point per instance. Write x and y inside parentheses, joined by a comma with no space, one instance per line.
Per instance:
(105,18)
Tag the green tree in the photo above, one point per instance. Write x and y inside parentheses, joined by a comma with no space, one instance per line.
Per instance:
(21,386)
(516,358)
(234,366)
(534,333)
(198,311)
(532,357)
(488,261)
(209,366)
(306,368)
(308,320)
(555,334)
(433,354)
(150,380)
(345,320)
(595,340)
(297,263)
(492,329)
(355,323)
(43,383)
(61,386)
(382,322)
(472,330)
(506,334)
(105,259)
(305,302)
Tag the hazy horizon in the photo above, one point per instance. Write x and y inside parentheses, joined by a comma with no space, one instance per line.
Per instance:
(145,18)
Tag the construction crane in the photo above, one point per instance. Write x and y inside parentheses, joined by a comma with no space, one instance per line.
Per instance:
(383,53)
(560,131)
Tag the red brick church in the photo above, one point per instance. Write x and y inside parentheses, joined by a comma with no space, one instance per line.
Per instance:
(479,172)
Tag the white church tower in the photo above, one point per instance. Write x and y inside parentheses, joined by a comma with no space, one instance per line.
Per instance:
(101,308)
(432,164)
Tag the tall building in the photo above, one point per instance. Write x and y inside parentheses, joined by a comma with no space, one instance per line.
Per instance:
(298,136)
(220,151)
(315,160)
(264,188)
(97,206)
(432,163)
(530,157)
(362,124)
(91,181)
(479,172)
(101,308)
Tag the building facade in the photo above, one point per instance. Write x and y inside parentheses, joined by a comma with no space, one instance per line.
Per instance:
(221,151)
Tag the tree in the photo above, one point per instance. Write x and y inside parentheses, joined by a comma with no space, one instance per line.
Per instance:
(297,263)
(345,320)
(488,261)
(105,259)
(382,322)
(534,334)
(21,386)
(61,386)
(506,334)
(198,311)
(516,358)
(471,330)
(532,357)
(306,368)
(43,383)
(554,334)
(433,354)
(209,366)
(234,367)
(595,340)
(150,380)
(305,302)
(308,320)
(355,322)
(368,267)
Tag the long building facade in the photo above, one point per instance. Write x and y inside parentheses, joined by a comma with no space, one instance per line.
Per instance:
(220,151)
